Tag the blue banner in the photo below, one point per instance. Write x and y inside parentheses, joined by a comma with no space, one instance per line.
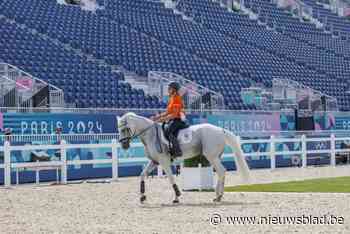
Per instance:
(238,123)
(342,121)
(47,123)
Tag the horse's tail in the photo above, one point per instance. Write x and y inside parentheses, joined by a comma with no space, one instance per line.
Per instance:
(241,164)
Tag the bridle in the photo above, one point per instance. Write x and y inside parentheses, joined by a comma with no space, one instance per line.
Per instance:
(134,135)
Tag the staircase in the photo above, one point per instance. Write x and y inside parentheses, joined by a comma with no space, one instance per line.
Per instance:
(87,5)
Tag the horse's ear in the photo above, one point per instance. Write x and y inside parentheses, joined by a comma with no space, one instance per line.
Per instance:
(119,120)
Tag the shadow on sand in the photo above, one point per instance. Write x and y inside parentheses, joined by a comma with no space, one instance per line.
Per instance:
(203,205)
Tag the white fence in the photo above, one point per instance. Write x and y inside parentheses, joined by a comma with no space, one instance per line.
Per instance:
(58,137)
(303,152)
(62,164)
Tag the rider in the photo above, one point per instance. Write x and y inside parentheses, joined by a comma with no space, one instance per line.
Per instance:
(173,116)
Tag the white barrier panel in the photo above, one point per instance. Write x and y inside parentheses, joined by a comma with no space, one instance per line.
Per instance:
(63,163)
(303,140)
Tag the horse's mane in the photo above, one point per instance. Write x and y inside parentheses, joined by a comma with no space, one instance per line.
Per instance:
(125,116)
(137,116)
(130,114)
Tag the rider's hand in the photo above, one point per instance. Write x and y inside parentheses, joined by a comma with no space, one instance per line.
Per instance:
(155,117)
(160,120)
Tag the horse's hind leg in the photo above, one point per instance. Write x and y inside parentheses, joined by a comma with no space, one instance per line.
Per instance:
(220,170)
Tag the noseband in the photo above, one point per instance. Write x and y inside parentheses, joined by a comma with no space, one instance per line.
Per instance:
(134,135)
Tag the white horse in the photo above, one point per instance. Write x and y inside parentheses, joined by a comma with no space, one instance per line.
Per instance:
(205,139)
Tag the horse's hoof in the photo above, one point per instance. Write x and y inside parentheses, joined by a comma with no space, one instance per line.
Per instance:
(176,201)
(142,198)
(217,199)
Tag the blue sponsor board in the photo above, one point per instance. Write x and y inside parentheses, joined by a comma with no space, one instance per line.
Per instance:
(342,121)
(239,123)
(33,124)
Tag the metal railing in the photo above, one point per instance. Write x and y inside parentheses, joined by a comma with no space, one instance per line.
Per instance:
(288,94)
(13,93)
(56,98)
(27,86)
(8,92)
(231,4)
(292,92)
(135,110)
(340,7)
(298,7)
(196,97)
(70,138)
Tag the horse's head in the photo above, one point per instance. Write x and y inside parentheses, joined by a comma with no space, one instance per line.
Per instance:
(126,129)
(130,126)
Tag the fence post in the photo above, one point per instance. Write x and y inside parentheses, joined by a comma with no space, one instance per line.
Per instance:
(114,160)
(7,164)
(238,139)
(200,176)
(304,151)
(272,152)
(37,175)
(239,143)
(64,162)
(333,161)
(159,171)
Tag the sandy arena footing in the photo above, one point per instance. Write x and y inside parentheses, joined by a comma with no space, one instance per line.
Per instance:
(115,207)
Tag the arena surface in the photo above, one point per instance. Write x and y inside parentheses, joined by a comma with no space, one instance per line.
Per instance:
(115,207)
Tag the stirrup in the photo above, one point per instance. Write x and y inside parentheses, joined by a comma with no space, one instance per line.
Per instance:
(177,153)
(171,152)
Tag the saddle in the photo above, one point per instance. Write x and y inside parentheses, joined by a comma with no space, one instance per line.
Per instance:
(184,136)
(165,127)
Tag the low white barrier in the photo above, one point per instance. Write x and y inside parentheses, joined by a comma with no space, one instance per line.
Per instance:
(63,163)
(303,152)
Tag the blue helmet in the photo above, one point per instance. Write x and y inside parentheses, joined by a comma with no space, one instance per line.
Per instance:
(174,85)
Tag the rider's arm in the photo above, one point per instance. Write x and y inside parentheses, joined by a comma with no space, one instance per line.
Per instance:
(171,114)
(166,118)
(173,110)
(159,116)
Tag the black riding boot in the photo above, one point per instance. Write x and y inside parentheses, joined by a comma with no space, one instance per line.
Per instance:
(176,150)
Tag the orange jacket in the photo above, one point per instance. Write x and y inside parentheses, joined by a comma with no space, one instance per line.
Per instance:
(175,106)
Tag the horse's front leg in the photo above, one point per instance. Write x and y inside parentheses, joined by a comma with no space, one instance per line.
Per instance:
(166,165)
(149,168)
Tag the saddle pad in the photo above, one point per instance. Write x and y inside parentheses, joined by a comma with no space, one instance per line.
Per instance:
(185,136)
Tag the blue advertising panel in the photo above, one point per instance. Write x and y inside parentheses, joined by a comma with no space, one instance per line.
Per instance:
(342,120)
(47,123)
(247,122)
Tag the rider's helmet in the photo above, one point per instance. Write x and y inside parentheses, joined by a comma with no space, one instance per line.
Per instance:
(174,85)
